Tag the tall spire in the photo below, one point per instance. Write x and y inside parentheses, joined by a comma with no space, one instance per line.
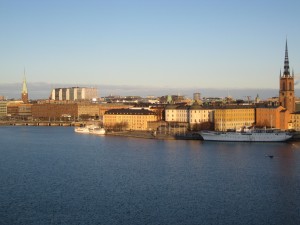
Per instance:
(280,73)
(24,89)
(286,71)
(24,95)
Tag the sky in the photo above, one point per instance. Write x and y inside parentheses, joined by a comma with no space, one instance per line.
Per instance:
(183,46)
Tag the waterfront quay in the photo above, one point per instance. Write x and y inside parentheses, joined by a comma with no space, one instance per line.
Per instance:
(127,133)
(41,123)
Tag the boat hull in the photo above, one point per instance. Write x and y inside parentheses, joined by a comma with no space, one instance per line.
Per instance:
(97,131)
(82,130)
(245,137)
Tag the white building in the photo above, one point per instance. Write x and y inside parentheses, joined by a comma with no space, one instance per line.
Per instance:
(198,114)
(74,93)
(194,114)
(175,113)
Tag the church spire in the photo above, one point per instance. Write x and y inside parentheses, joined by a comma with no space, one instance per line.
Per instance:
(24,95)
(286,71)
(280,73)
(24,89)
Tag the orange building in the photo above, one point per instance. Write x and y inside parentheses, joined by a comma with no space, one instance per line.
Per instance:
(273,117)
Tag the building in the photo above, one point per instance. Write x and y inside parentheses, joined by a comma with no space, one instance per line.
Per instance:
(74,94)
(3,108)
(296,120)
(177,113)
(74,111)
(199,114)
(128,119)
(19,110)
(286,92)
(24,110)
(108,106)
(197,97)
(195,116)
(268,116)
(54,112)
(233,117)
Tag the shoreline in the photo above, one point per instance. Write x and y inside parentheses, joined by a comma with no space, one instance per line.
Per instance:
(133,134)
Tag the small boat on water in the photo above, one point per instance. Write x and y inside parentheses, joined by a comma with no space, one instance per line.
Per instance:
(84,130)
(90,129)
(97,130)
(247,135)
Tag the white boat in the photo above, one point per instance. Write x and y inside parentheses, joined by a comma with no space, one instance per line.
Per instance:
(84,130)
(90,129)
(97,130)
(253,135)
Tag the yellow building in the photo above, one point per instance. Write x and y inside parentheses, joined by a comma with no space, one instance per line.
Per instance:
(128,119)
(234,117)
(296,121)
(3,108)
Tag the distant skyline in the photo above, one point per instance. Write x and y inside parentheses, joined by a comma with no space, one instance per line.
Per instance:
(189,46)
(43,90)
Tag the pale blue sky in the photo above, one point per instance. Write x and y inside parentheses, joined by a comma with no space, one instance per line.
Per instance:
(166,43)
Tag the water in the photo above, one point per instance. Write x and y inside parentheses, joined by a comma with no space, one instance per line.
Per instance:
(51,175)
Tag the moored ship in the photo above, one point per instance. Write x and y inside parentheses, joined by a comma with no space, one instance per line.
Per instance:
(90,129)
(251,135)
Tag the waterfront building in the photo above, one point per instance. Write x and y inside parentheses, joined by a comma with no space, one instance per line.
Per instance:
(17,109)
(296,120)
(54,111)
(199,114)
(233,117)
(25,110)
(3,108)
(72,111)
(128,119)
(74,94)
(196,116)
(177,113)
(286,92)
(269,116)
(159,110)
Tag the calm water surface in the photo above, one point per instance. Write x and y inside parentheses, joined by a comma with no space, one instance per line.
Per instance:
(51,175)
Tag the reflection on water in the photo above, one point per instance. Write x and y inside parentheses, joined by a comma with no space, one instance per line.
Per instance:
(51,175)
